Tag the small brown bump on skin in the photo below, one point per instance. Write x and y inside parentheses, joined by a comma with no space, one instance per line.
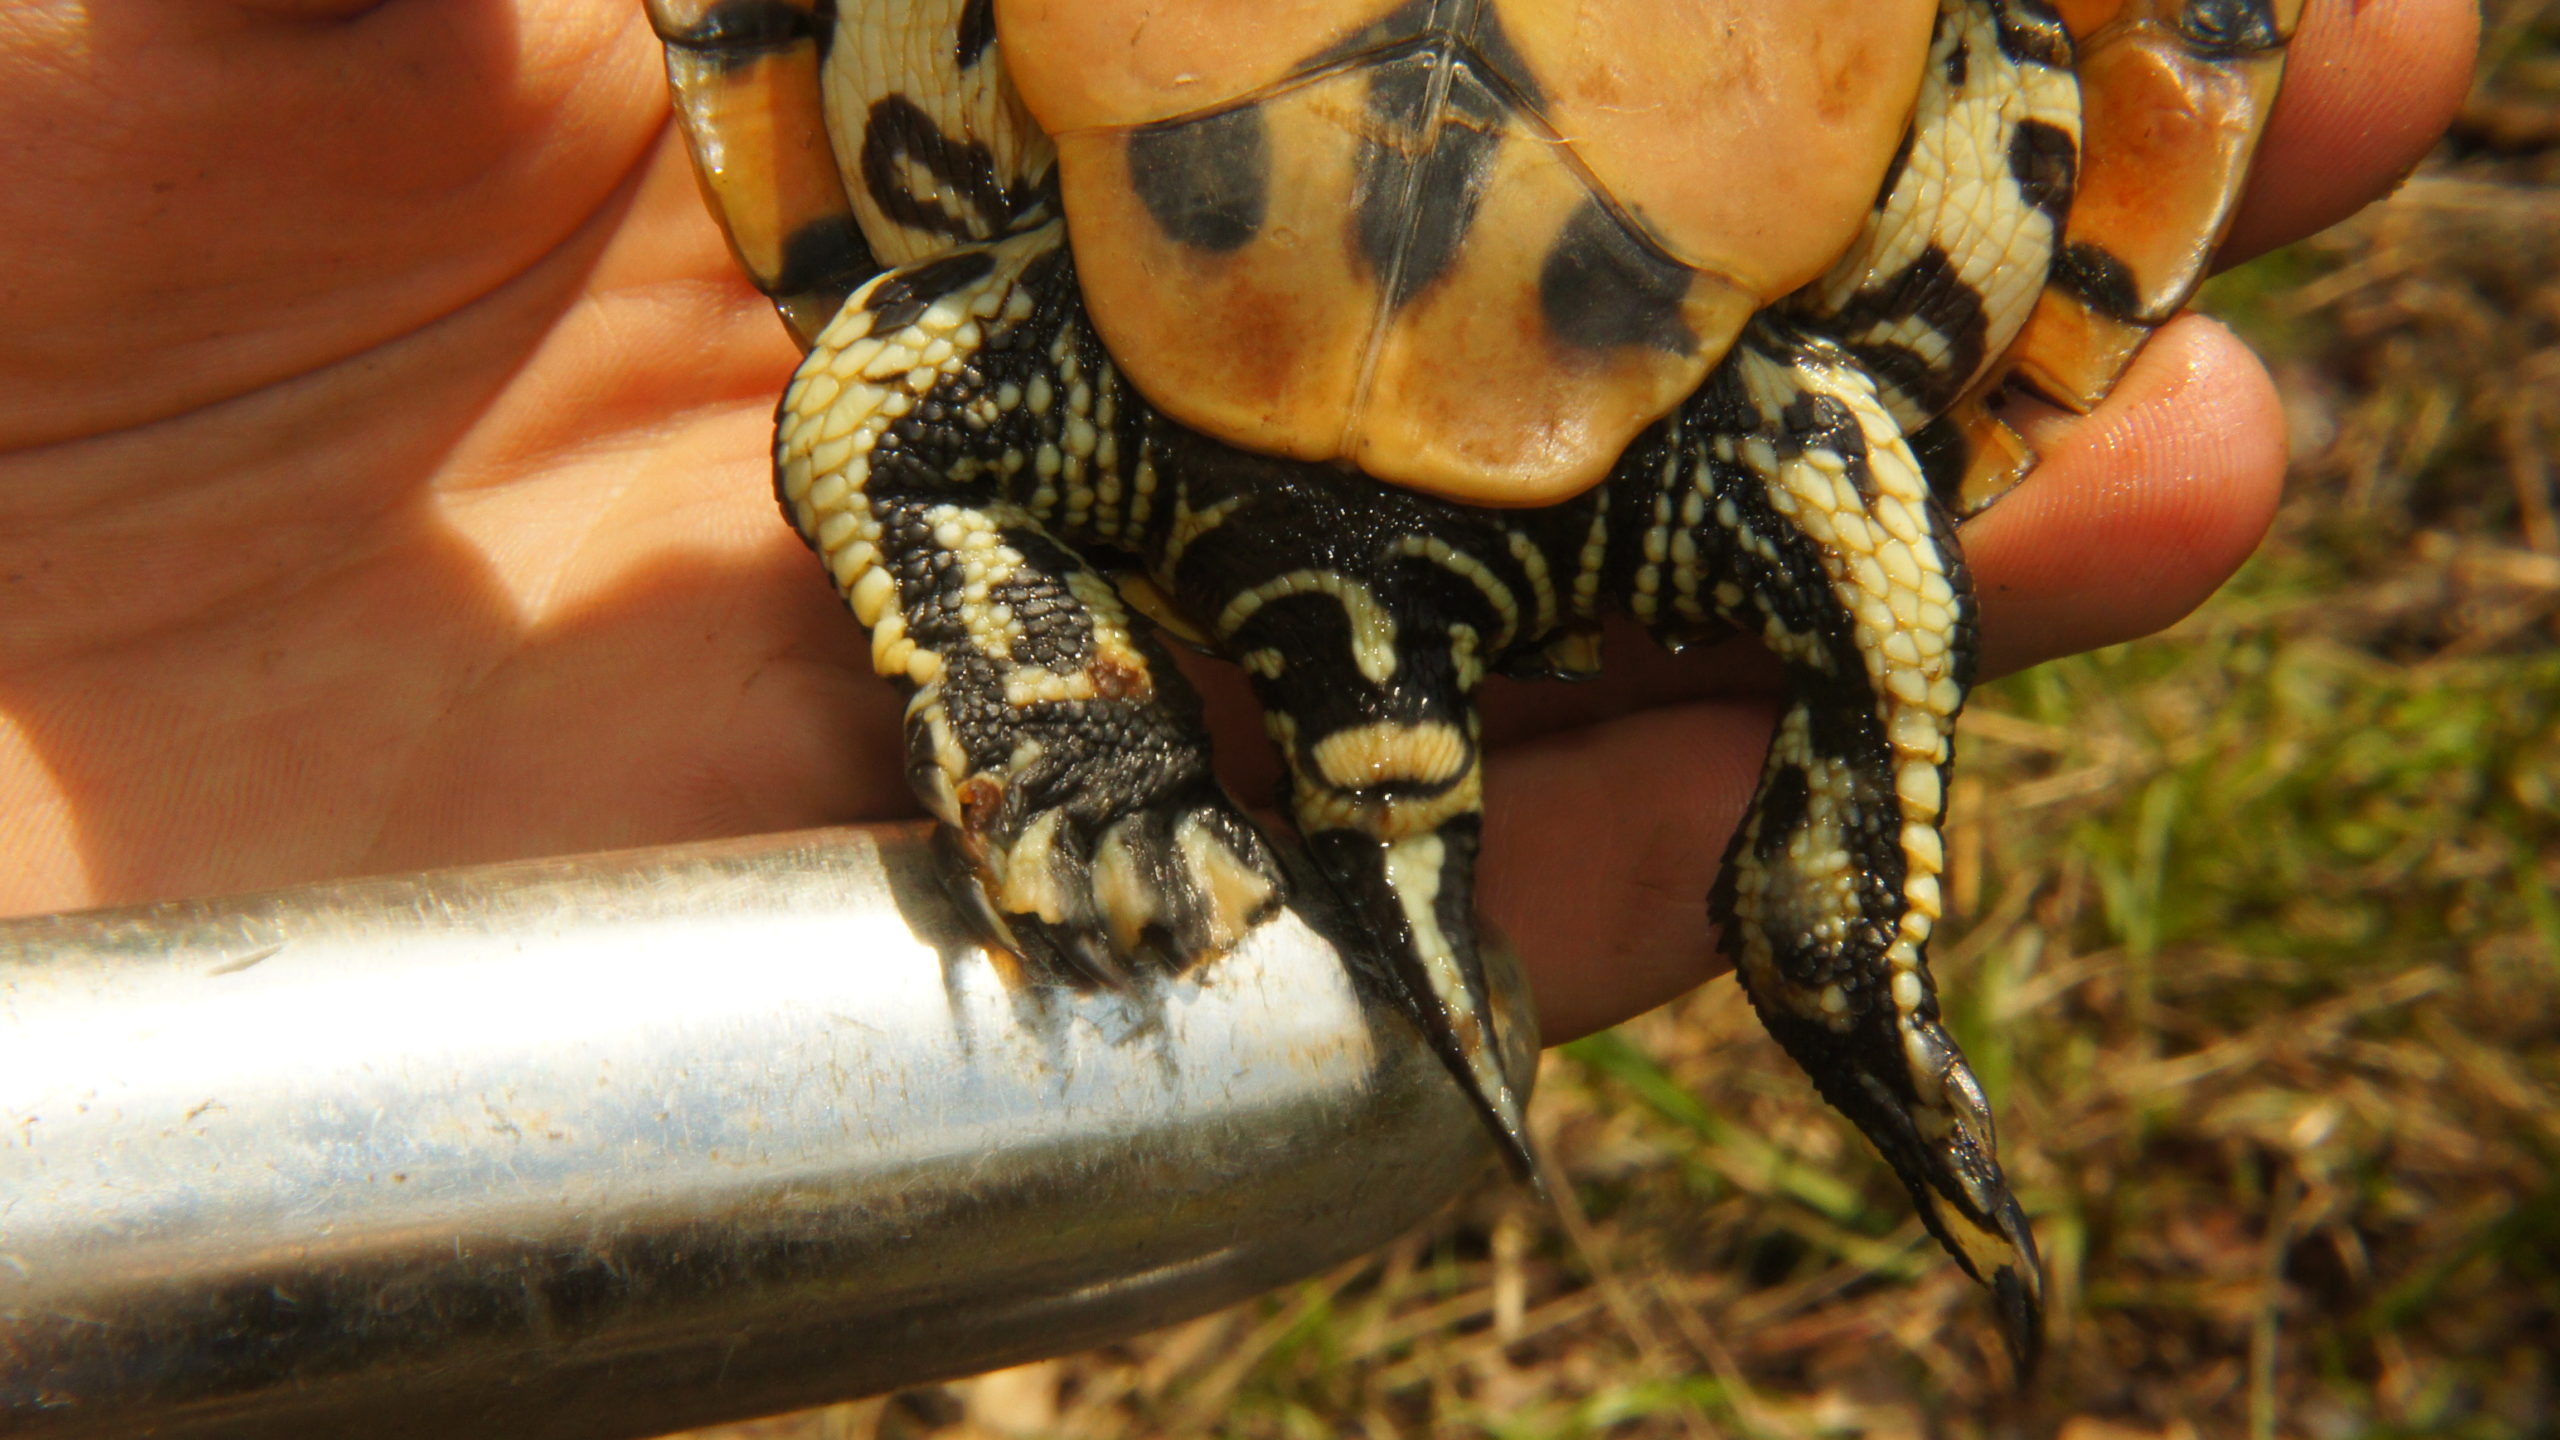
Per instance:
(979,797)
(1113,680)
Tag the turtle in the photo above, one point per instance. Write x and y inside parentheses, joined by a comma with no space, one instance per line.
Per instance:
(1379,346)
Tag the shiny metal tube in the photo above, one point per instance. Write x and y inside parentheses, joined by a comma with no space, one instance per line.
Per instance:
(612,1145)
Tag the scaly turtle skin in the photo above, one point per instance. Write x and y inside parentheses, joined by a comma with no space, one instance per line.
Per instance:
(1119,313)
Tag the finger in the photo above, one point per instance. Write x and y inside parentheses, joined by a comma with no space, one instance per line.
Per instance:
(2367,89)
(212,198)
(2137,511)
(1599,846)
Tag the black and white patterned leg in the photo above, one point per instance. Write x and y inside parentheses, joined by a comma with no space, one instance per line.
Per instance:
(2175,94)
(1045,726)
(1365,619)
(1784,502)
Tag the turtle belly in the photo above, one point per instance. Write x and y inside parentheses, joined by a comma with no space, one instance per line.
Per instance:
(1464,248)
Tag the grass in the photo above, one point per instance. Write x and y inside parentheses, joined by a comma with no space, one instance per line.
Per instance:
(2258,953)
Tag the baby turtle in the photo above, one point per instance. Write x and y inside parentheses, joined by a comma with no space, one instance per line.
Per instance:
(1380,347)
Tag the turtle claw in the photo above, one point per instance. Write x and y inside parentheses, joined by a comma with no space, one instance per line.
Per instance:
(1932,1124)
(1173,883)
(2019,1288)
(1414,897)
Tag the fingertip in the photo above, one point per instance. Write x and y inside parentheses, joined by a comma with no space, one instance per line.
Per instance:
(1600,846)
(2139,511)
(2367,90)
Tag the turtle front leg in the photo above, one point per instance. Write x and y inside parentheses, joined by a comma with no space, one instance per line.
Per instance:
(1782,500)
(1365,619)
(2176,96)
(1045,726)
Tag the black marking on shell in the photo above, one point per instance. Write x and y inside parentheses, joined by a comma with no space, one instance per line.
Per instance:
(829,250)
(1466,30)
(2096,278)
(1205,180)
(1407,24)
(902,297)
(1501,62)
(898,132)
(1421,175)
(977,32)
(739,31)
(2032,33)
(1603,285)
(2045,161)
(1959,63)
(2227,29)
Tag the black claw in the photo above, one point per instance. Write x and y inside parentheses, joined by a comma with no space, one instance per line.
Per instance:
(2021,1321)
(1524,1164)
(1083,949)
(2020,1289)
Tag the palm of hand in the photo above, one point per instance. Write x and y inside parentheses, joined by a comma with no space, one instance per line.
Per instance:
(382,485)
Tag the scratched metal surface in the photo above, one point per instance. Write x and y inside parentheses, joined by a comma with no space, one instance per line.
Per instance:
(614,1144)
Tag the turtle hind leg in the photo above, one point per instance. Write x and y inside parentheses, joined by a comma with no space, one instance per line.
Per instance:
(1790,507)
(1414,894)
(1365,619)
(1046,728)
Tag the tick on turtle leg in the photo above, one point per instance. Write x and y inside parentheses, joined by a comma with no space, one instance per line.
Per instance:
(1793,510)
(1045,725)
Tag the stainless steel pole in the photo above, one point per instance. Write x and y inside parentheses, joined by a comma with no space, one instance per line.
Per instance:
(616,1144)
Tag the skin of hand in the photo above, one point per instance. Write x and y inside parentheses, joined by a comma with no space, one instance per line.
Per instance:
(383,484)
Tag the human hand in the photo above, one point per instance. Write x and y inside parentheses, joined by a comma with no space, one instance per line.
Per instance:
(383,484)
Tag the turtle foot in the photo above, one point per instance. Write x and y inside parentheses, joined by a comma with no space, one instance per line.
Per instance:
(1173,882)
(1924,1110)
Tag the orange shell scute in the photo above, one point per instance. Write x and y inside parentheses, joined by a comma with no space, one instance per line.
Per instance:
(1471,247)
